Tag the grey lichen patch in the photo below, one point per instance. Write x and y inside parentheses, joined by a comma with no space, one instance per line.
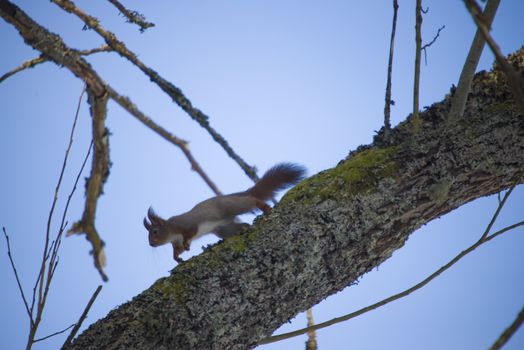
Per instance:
(507,106)
(359,174)
(439,192)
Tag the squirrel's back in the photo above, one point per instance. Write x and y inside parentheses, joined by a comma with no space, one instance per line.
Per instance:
(277,178)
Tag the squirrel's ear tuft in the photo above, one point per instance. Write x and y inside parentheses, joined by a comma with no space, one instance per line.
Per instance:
(155,219)
(147,225)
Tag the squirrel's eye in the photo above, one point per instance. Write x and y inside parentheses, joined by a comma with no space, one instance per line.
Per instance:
(154,231)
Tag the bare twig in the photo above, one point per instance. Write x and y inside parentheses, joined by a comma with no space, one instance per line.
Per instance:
(311,343)
(52,335)
(55,198)
(174,92)
(416,82)
(82,318)
(508,333)
(125,103)
(499,208)
(458,103)
(53,47)
(41,59)
(133,16)
(387,107)
(42,282)
(423,48)
(515,82)
(13,266)
(56,243)
(50,254)
(58,240)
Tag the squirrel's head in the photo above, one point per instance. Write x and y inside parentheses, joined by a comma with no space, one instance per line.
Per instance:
(158,229)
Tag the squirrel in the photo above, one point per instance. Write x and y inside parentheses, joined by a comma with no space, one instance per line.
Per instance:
(218,214)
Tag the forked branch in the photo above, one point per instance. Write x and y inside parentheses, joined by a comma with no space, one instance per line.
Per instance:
(515,82)
(170,89)
(52,46)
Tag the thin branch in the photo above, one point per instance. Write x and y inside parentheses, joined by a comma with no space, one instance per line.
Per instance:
(41,59)
(416,82)
(431,43)
(434,38)
(44,284)
(174,92)
(63,224)
(29,313)
(458,103)
(393,297)
(311,343)
(55,198)
(97,178)
(508,333)
(52,264)
(58,240)
(515,82)
(82,318)
(133,16)
(52,46)
(35,35)
(52,335)
(499,208)
(387,107)
(125,103)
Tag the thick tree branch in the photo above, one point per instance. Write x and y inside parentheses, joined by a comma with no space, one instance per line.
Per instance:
(327,231)
(483,239)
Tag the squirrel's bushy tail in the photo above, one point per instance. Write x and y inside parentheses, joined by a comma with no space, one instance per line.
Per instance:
(279,177)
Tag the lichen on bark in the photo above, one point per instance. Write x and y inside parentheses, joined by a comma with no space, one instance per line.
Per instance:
(327,231)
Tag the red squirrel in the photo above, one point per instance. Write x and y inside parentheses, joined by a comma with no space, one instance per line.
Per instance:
(218,214)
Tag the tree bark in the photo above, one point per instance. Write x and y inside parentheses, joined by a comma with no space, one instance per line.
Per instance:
(327,231)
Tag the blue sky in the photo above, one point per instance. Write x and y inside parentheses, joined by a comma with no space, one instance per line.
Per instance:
(299,81)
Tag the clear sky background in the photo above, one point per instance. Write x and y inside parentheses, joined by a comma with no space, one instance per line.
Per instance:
(299,81)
